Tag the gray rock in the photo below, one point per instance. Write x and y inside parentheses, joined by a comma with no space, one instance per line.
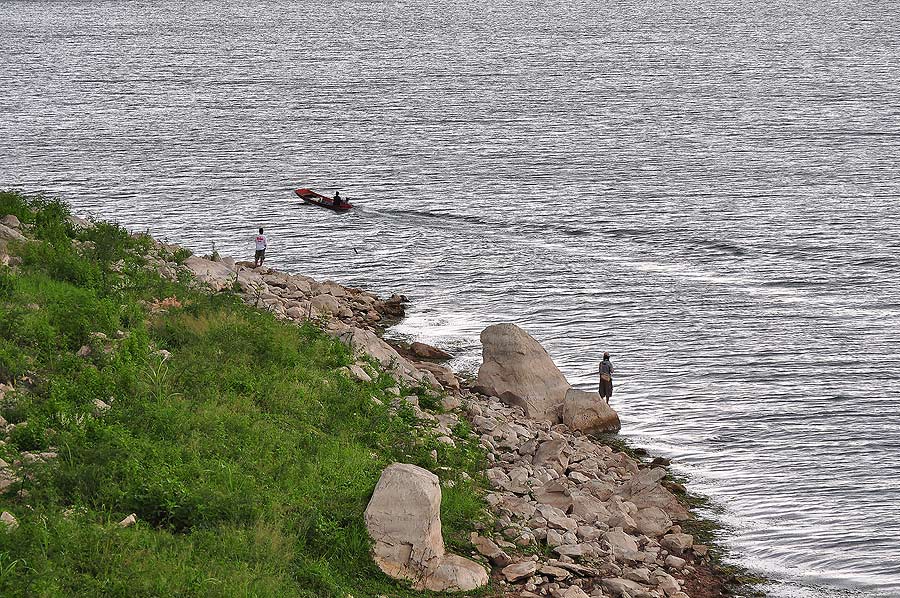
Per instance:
(586,412)
(652,522)
(488,548)
(10,234)
(8,521)
(517,369)
(621,587)
(403,518)
(620,543)
(10,221)
(677,543)
(518,571)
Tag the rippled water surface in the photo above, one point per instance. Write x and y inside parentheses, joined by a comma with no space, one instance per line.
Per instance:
(707,189)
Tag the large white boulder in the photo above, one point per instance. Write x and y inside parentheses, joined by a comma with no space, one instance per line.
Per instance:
(216,275)
(517,369)
(403,518)
(586,412)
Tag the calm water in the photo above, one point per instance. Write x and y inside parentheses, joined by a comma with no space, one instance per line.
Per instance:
(708,190)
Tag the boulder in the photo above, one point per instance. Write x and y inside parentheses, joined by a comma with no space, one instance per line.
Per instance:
(128,521)
(517,369)
(652,522)
(589,508)
(10,221)
(554,493)
(360,374)
(645,491)
(423,351)
(442,374)
(10,234)
(586,412)
(552,455)
(677,543)
(620,543)
(369,343)
(215,275)
(488,548)
(403,518)
(325,304)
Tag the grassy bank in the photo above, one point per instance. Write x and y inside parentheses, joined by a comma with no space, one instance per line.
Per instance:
(247,456)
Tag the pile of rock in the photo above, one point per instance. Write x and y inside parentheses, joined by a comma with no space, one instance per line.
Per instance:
(607,519)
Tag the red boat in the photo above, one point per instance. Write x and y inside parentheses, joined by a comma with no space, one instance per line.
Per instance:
(310,196)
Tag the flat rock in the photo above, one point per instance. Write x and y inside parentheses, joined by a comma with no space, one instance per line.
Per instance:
(518,571)
(618,586)
(424,351)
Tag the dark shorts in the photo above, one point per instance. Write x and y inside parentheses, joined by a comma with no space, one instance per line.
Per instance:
(606,388)
(260,254)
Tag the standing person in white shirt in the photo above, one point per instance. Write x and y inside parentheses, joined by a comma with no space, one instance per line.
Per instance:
(261,245)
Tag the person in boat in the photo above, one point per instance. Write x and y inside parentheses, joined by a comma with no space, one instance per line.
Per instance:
(261,244)
(606,372)
(337,199)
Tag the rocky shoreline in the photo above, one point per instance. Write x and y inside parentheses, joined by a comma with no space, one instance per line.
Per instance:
(572,516)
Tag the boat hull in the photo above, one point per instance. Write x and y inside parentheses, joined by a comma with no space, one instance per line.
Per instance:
(317,199)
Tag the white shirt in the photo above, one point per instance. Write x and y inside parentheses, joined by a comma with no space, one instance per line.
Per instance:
(260,242)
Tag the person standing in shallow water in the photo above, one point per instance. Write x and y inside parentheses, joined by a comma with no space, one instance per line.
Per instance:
(606,372)
(261,244)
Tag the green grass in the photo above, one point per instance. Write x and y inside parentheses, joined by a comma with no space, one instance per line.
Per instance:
(247,456)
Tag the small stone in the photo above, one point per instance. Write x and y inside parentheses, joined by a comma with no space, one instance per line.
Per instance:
(518,571)
(677,543)
(8,520)
(100,407)
(84,351)
(675,562)
(128,521)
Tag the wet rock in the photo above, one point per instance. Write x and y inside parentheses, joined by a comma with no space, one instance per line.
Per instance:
(423,351)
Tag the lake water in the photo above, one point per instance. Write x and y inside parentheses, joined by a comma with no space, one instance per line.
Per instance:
(709,190)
